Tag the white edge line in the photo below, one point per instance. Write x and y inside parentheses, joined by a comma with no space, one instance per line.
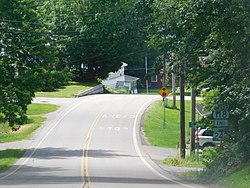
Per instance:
(57,123)
(139,152)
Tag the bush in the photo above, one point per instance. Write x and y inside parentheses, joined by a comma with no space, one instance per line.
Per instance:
(221,161)
(208,156)
(55,79)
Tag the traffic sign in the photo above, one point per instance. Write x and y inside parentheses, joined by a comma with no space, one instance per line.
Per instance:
(220,123)
(164,92)
(218,134)
(220,114)
(192,124)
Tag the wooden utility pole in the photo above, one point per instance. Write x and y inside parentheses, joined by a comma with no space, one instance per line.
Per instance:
(182,113)
(192,119)
(173,90)
(146,68)
(164,85)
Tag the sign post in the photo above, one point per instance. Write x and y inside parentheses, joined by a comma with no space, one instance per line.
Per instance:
(164,92)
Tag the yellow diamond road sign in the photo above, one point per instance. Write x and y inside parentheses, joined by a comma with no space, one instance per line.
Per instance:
(164,92)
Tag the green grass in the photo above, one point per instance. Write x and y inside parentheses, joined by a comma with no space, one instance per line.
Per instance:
(153,124)
(239,178)
(68,91)
(35,119)
(9,157)
(192,175)
(39,109)
(190,161)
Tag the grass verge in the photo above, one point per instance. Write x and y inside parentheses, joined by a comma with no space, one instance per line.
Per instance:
(35,111)
(67,91)
(167,137)
(35,119)
(190,161)
(239,178)
(9,157)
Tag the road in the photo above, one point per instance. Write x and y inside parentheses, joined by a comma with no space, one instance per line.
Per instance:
(94,142)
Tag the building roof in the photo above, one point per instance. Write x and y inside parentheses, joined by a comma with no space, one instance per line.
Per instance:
(130,78)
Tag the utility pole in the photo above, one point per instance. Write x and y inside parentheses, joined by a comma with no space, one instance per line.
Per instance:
(192,119)
(182,113)
(173,88)
(146,66)
(164,85)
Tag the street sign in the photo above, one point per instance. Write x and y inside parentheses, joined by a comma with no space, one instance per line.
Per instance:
(218,134)
(192,124)
(220,123)
(220,114)
(164,92)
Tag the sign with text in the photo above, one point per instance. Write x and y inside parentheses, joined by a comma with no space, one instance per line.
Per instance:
(220,114)
(218,134)
(221,123)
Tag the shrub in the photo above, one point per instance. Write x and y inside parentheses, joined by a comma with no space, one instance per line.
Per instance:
(221,161)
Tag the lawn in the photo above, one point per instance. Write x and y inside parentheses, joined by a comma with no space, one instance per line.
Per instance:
(68,91)
(239,178)
(9,157)
(35,119)
(159,136)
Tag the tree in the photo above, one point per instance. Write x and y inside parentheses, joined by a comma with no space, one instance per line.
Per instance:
(23,57)
(100,34)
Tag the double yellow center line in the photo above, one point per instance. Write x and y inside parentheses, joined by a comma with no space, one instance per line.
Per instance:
(86,181)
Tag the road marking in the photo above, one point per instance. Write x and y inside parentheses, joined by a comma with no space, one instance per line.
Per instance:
(113,128)
(140,154)
(36,148)
(118,116)
(84,167)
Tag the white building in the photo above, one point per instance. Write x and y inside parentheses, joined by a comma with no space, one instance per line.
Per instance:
(118,80)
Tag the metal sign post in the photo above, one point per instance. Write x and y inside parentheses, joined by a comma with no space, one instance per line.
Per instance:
(164,92)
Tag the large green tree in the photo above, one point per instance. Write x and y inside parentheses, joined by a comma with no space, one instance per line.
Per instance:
(216,32)
(24,56)
(99,34)
(211,39)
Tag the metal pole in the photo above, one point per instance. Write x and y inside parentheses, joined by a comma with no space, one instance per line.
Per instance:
(164,121)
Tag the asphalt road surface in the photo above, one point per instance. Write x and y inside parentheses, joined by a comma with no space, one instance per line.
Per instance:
(94,142)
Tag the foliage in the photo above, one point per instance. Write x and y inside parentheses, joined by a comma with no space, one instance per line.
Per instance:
(211,40)
(239,178)
(26,58)
(54,79)
(220,161)
(208,156)
(35,111)
(98,35)
(190,161)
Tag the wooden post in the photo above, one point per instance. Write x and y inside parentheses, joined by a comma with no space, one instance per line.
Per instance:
(182,113)
(173,90)
(192,119)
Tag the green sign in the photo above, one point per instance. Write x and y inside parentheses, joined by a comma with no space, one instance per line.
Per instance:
(218,134)
(192,124)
